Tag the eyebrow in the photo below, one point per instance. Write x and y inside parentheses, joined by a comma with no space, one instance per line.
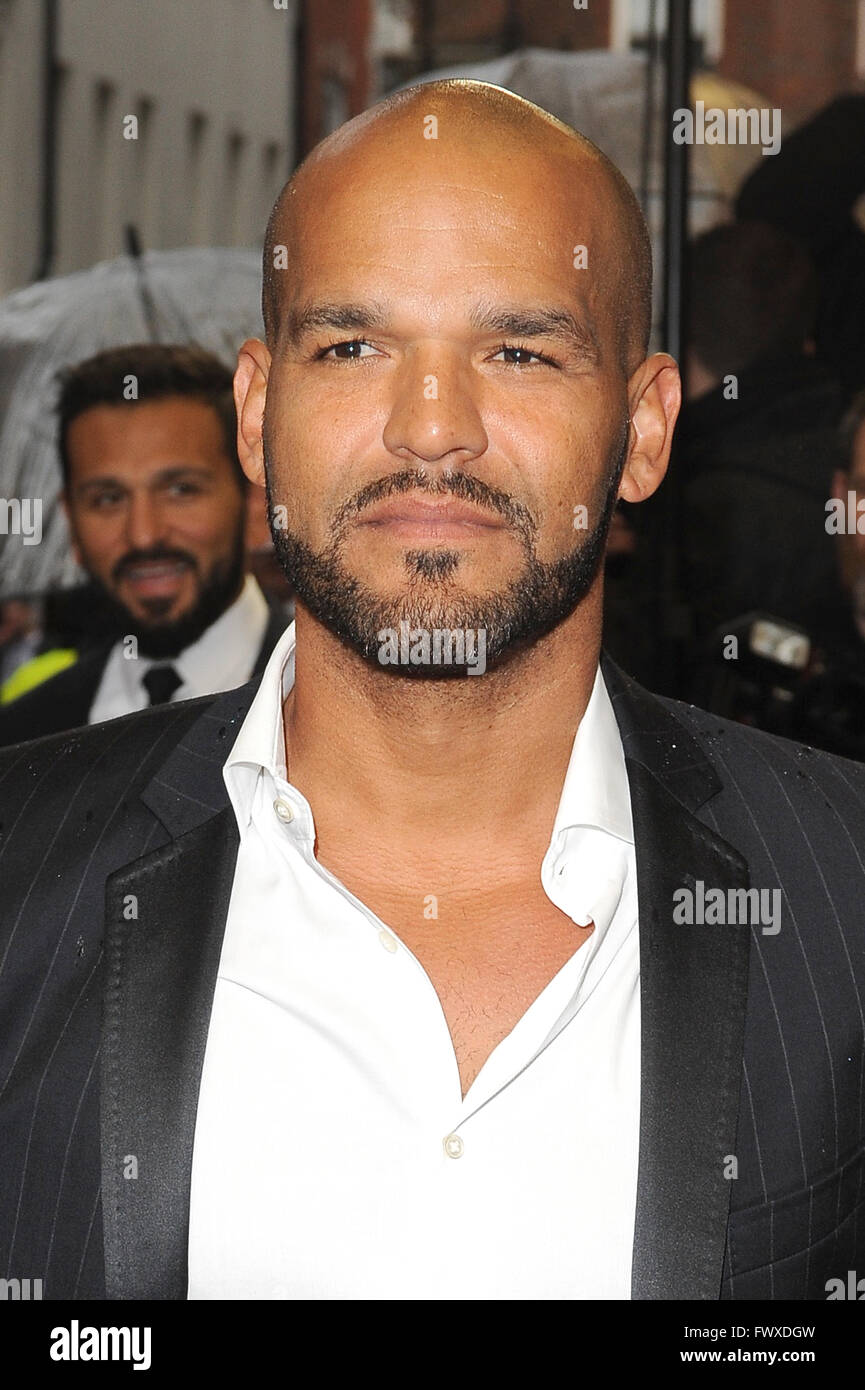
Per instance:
(543,321)
(165,475)
(352,317)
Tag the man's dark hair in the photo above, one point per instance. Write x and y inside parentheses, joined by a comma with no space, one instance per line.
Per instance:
(160,371)
(752,296)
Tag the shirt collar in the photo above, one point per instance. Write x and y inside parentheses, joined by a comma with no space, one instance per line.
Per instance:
(260,745)
(240,629)
(221,658)
(595,791)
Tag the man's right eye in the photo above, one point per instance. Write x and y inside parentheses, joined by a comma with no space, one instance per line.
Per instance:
(102,501)
(346,352)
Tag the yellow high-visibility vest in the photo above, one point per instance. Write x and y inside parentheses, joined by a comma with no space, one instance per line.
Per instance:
(35,671)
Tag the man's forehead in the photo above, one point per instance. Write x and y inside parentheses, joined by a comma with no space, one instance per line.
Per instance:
(517,193)
(404,234)
(488,181)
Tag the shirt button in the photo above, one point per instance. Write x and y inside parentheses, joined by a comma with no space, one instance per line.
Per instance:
(388,942)
(283,810)
(454,1146)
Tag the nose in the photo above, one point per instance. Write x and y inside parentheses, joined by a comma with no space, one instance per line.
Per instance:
(145,522)
(434,416)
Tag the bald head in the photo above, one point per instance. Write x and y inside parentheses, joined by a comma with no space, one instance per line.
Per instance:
(478,128)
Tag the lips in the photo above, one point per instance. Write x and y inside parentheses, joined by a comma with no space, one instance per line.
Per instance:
(154,576)
(449,517)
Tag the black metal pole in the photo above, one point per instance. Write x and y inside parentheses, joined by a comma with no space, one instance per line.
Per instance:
(48,139)
(425,21)
(512,29)
(297,45)
(649,107)
(132,243)
(672,614)
(676,172)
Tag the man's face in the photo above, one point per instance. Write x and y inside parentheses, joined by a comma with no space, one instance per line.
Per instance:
(445,430)
(156,512)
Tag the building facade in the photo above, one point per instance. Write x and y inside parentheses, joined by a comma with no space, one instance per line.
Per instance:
(176,119)
(799,53)
(183,120)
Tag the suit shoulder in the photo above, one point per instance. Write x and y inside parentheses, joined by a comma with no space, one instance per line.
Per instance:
(119,751)
(741,747)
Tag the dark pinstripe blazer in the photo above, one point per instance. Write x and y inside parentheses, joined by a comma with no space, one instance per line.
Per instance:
(117,852)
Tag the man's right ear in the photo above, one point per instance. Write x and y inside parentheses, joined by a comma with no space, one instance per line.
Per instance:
(250,394)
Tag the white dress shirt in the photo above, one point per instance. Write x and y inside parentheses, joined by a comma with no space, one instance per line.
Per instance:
(335,1156)
(222,659)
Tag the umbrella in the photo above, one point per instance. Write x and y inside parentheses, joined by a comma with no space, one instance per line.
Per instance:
(206,295)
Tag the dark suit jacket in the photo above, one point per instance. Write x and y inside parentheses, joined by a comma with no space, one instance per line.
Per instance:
(63,702)
(117,856)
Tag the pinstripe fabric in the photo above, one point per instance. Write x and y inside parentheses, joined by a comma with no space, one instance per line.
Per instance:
(797,816)
(69,814)
(115,864)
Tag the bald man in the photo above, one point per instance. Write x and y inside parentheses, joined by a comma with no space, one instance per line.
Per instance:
(444,962)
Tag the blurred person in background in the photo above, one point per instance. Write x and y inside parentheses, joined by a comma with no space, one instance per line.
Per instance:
(758,435)
(20,635)
(829,710)
(851,543)
(813,189)
(157,509)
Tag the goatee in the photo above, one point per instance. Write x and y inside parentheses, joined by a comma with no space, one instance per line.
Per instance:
(540,597)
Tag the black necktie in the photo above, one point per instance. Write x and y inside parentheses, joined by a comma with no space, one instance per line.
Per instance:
(160,682)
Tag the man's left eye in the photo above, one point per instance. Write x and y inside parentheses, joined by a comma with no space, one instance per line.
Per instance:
(522,356)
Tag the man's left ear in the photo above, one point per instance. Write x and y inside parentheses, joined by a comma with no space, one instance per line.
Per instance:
(655,395)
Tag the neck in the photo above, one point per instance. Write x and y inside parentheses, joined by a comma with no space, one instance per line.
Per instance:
(441,762)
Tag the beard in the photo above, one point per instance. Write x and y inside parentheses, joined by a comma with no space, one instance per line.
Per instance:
(540,597)
(165,639)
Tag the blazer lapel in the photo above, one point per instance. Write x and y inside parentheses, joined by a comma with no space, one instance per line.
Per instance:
(693,991)
(165,920)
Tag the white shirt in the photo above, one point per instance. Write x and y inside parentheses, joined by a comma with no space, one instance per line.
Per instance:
(334,1154)
(221,659)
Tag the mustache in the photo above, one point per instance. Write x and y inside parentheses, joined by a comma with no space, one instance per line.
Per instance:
(139,557)
(463,486)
